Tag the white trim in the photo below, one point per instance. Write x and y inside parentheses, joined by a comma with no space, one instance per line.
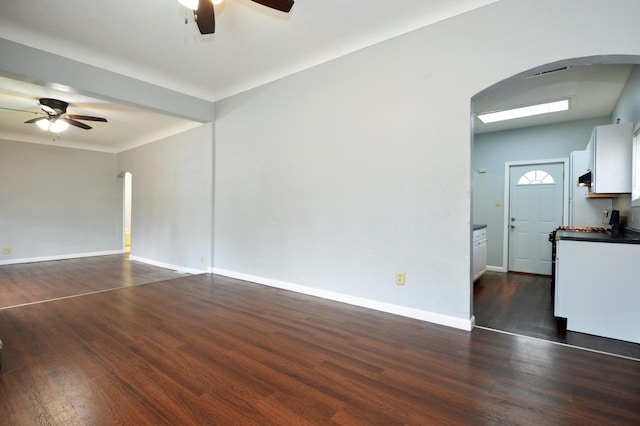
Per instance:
(553,342)
(507,181)
(59,257)
(496,268)
(449,321)
(176,268)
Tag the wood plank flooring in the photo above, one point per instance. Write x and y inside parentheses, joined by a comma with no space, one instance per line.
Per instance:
(205,349)
(521,304)
(33,282)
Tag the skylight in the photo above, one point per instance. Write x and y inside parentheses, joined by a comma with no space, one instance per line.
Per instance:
(526,111)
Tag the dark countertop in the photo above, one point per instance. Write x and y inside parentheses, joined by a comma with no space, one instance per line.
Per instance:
(476,227)
(626,237)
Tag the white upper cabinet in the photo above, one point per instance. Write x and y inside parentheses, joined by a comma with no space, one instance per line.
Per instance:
(609,158)
(635,180)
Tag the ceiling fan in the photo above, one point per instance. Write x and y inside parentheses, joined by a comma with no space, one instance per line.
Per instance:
(204,15)
(55,118)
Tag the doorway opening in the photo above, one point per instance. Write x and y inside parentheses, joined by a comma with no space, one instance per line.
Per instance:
(494,187)
(128,184)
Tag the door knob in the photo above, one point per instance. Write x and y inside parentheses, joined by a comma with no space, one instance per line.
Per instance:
(513,226)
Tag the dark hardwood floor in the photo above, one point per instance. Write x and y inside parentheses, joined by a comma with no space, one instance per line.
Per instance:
(34,282)
(205,349)
(521,304)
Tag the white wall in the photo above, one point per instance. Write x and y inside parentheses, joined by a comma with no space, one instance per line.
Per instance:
(627,108)
(172,193)
(338,176)
(62,202)
(57,202)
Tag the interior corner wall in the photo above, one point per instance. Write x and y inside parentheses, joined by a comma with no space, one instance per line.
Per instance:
(338,176)
(172,192)
(167,209)
(57,202)
(492,150)
(627,109)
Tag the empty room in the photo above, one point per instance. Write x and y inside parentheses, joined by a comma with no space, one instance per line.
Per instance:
(261,212)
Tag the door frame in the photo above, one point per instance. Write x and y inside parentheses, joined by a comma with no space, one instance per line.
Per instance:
(127,206)
(507,180)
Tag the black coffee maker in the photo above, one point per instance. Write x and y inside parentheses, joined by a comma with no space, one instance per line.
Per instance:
(614,221)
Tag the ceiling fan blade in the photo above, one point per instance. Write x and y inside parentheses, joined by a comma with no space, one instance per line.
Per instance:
(86,118)
(75,123)
(281,5)
(20,110)
(205,17)
(33,120)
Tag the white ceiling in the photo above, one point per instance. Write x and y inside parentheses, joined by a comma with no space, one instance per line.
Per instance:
(148,40)
(592,91)
(126,126)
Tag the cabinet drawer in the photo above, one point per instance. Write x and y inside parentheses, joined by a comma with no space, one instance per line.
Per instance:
(479,234)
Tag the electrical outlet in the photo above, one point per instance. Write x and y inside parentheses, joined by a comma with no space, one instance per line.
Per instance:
(400,277)
(202,259)
(6,250)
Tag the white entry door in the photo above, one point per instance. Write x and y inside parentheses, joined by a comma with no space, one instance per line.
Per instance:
(535,209)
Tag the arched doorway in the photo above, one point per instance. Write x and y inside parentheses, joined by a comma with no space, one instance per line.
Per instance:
(488,181)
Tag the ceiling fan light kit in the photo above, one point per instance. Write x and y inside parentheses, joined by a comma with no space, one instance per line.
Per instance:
(204,15)
(53,126)
(55,118)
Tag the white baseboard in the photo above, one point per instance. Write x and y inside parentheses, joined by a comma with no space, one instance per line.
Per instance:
(176,268)
(59,257)
(449,321)
(496,269)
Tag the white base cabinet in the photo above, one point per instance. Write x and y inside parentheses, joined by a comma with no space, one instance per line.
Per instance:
(597,288)
(479,252)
